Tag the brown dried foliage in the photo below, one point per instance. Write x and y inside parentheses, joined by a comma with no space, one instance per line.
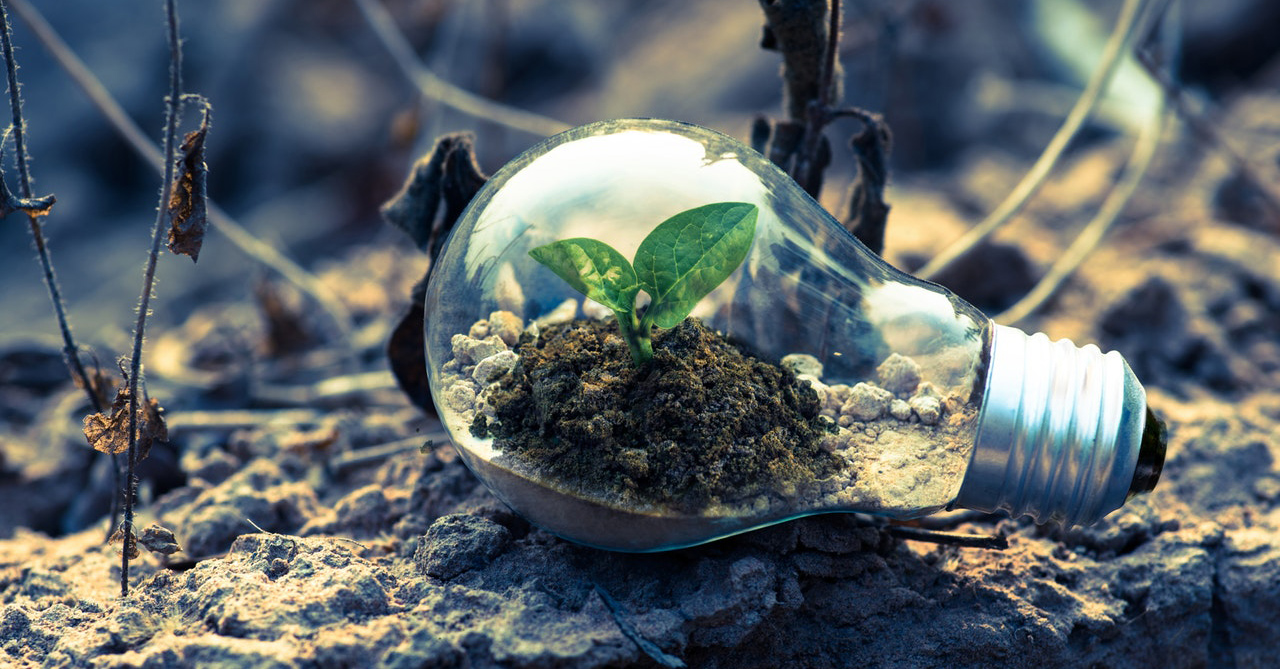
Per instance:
(188,213)
(110,433)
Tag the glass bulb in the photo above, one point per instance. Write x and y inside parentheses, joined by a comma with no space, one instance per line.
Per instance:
(922,403)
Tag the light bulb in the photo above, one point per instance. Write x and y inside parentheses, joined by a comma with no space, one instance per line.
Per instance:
(924,403)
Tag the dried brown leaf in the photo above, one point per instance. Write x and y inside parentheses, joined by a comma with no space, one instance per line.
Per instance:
(188,215)
(9,203)
(130,546)
(159,539)
(110,433)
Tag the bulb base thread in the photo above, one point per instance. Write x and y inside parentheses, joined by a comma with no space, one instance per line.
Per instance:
(1064,434)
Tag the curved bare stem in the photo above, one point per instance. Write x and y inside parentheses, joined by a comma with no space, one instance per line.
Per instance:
(1143,151)
(1116,45)
(430,84)
(241,238)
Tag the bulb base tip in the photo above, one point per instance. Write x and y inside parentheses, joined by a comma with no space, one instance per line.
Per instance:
(1064,434)
(1146,473)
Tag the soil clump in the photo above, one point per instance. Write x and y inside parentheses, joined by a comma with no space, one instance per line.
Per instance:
(704,424)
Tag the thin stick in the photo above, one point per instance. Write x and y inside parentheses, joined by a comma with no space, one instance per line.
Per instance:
(70,351)
(430,84)
(148,278)
(1143,151)
(992,542)
(1210,135)
(1098,82)
(251,246)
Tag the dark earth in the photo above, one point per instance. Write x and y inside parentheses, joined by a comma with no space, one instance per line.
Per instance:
(325,521)
(703,423)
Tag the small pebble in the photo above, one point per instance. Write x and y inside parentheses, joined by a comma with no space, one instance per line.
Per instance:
(561,314)
(494,366)
(899,374)
(929,409)
(469,350)
(507,291)
(595,311)
(479,330)
(867,402)
(506,325)
(900,409)
(802,363)
(459,397)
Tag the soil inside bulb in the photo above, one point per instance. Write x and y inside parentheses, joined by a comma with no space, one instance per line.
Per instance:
(704,424)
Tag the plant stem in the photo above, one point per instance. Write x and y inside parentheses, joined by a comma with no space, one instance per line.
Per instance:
(70,351)
(148,279)
(1126,27)
(636,332)
(240,237)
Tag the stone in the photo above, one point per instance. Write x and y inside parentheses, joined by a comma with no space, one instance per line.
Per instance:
(506,326)
(802,363)
(458,543)
(899,374)
(494,366)
(866,402)
(469,350)
(563,313)
(928,408)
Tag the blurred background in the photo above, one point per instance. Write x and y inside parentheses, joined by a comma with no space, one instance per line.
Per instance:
(314,126)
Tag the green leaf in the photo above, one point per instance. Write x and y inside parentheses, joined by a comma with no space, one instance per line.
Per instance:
(594,269)
(691,253)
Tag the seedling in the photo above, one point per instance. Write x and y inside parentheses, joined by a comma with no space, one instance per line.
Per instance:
(682,260)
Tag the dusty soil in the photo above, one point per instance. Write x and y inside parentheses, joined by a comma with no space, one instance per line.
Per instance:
(324,521)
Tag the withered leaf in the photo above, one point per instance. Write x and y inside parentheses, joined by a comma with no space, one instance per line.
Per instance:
(110,434)
(130,547)
(159,539)
(9,203)
(188,215)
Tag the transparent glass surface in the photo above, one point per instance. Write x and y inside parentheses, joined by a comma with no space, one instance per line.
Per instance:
(806,287)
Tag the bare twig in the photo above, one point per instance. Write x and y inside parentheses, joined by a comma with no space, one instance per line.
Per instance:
(992,542)
(1143,151)
(364,457)
(1209,134)
(172,104)
(1117,45)
(430,84)
(251,246)
(239,419)
(70,351)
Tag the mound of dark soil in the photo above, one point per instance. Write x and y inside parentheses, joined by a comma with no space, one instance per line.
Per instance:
(703,423)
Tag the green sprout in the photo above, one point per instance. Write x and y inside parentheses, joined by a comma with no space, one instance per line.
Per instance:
(682,260)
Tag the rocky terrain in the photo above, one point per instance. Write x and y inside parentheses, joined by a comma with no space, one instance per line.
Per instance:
(325,521)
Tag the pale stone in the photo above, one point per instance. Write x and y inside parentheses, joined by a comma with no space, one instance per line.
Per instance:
(506,325)
(928,408)
(596,311)
(460,397)
(494,366)
(469,349)
(507,291)
(563,313)
(899,374)
(802,363)
(900,409)
(867,402)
